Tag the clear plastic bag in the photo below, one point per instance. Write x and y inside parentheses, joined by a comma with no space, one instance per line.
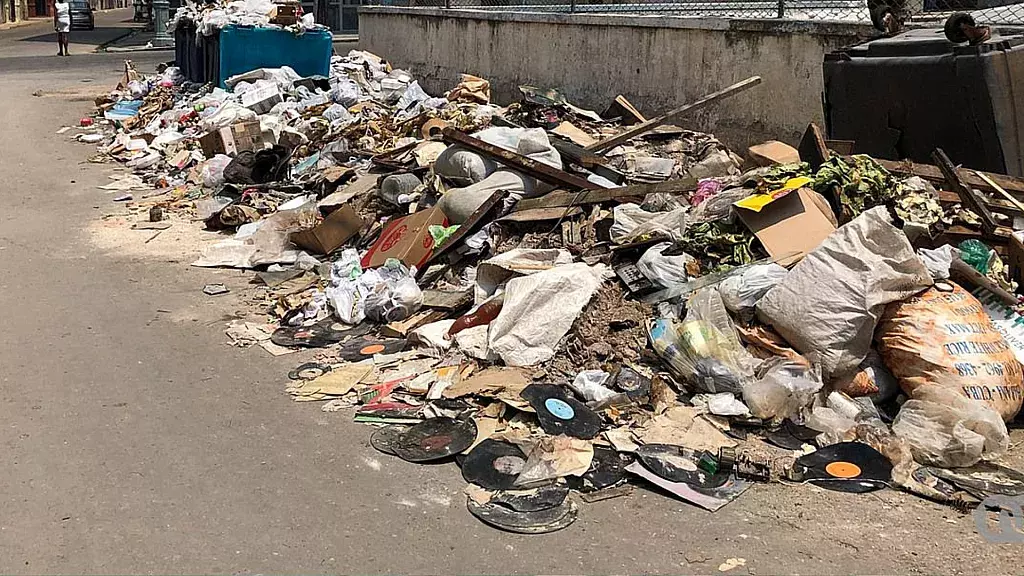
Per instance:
(699,353)
(213,171)
(394,301)
(741,291)
(632,221)
(784,389)
(666,271)
(946,429)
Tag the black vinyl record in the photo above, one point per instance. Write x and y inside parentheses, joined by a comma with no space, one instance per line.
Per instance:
(560,413)
(364,347)
(323,333)
(532,500)
(493,465)
(678,464)
(309,370)
(984,478)
(634,384)
(607,469)
(791,436)
(435,438)
(845,467)
(385,438)
(532,522)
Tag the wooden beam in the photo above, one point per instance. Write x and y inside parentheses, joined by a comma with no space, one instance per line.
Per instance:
(966,195)
(538,170)
(933,174)
(562,198)
(674,114)
(1001,191)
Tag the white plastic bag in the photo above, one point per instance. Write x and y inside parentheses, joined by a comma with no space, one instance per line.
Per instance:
(213,171)
(742,291)
(946,429)
(632,221)
(590,385)
(665,271)
(938,260)
(394,301)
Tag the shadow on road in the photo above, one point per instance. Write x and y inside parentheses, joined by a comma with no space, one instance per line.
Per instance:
(96,36)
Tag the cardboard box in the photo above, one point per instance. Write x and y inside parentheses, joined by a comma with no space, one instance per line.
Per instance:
(260,100)
(233,139)
(790,226)
(407,239)
(331,234)
(1015,257)
(773,152)
(285,14)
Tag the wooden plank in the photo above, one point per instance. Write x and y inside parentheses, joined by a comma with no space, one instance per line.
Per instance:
(472,224)
(933,174)
(538,170)
(597,164)
(447,300)
(674,114)
(540,214)
(562,198)
(1001,191)
(966,195)
(812,148)
(994,204)
(628,107)
(421,318)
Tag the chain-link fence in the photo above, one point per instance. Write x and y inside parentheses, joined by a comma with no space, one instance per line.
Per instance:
(995,12)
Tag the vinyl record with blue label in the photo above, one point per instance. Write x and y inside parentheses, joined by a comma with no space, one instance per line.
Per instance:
(560,413)
(493,465)
(845,467)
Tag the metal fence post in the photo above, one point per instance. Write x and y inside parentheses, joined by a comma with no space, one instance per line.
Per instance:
(572,6)
(447,4)
(782,9)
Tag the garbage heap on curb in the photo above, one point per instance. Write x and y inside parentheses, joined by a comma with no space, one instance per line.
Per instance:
(567,303)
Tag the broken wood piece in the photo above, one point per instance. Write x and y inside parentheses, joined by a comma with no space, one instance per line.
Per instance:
(571,235)
(561,198)
(445,300)
(812,148)
(1000,189)
(967,196)
(964,272)
(141,225)
(628,107)
(401,329)
(993,204)
(928,172)
(529,166)
(541,214)
(671,115)
(571,152)
(570,131)
(471,225)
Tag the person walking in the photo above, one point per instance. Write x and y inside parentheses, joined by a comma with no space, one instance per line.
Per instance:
(62,25)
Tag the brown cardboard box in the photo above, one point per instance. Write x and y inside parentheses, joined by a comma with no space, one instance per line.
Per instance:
(773,152)
(1015,257)
(285,14)
(790,226)
(331,234)
(233,139)
(407,239)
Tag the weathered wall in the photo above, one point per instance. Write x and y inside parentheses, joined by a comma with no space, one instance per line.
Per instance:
(656,62)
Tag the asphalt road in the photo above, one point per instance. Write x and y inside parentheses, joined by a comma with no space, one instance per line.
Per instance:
(134,439)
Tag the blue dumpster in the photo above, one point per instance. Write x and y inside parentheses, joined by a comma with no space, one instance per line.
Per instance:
(245,48)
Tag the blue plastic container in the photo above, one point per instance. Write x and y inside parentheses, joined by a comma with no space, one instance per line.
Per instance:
(244,48)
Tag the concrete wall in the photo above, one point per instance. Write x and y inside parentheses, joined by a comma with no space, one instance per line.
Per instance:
(657,62)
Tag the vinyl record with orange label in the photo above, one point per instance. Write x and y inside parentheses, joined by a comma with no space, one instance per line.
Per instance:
(358,349)
(845,467)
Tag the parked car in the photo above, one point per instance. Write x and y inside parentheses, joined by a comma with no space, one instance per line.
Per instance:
(81,15)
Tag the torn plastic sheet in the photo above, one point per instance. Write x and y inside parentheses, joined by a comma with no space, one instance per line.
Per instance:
(492,273)
(539,310)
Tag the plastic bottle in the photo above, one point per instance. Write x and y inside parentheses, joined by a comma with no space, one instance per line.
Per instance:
(483,314)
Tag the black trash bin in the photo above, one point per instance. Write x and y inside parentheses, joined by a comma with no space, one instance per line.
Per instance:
(902,97)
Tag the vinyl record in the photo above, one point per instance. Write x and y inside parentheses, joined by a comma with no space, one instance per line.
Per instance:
(560,413)
(364,347)
(607,469)
(634,384)
(535,522)
(309,370)
(533,499)
(984,478)
(385,438)
(493,465)
(435,438)
(324,333)
(791,436)
(678,464)
(845,467)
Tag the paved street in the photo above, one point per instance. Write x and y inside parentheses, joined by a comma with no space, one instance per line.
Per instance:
(134,439)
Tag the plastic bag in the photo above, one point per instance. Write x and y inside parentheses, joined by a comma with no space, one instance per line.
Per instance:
(742,291)
(830,302)
(975,253)
(665,271)
(394,302)
(589,384)
(870,378)
(721,404)
(939,260)
(946,338)
(697,352)
(213,171)
(632,221)
(946,429)
(784,389)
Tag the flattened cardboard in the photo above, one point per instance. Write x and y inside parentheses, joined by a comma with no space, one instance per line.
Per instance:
(406,239)
(790,226)
(232,139)
(331,234)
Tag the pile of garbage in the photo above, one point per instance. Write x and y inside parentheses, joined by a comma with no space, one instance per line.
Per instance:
(568,303)
(212,16)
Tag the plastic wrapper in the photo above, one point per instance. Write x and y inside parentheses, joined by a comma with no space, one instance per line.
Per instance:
(742,291)
(700,354)
(632,222)
(589,384)
(939,260)
(213,171)
(385,294)
(783,390)
(946,429)
(721,404)
(394,302)
(665,271)
(975,253)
